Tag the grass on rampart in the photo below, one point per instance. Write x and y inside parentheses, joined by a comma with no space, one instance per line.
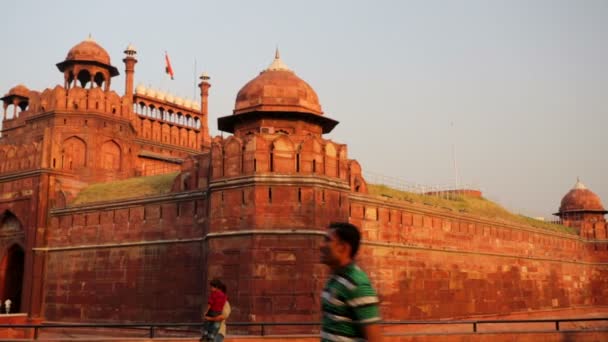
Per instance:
(467,204)
(128,188)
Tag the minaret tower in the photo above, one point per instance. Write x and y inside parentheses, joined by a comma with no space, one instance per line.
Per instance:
(204,86)
(130,62)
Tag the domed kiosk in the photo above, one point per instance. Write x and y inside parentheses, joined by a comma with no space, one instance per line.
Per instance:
(87,63)
(580,207)
(276,93)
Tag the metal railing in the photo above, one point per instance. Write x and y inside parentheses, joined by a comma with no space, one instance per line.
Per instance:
(417,188)
(152,328)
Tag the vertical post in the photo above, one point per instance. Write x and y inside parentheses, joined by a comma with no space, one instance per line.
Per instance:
(474,327)
(151,331)
(557,325)
(262,324)
(35,332)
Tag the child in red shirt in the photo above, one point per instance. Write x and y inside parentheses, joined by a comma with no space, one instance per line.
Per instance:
(215,304)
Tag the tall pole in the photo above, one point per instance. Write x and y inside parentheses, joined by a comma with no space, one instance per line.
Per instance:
(454,156)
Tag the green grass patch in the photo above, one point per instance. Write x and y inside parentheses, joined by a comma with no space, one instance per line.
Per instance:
(467,204)
(128,188)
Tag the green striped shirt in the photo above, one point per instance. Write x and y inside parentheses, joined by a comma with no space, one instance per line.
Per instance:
(348,302)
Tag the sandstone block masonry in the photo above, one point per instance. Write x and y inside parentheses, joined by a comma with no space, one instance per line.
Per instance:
(250,208)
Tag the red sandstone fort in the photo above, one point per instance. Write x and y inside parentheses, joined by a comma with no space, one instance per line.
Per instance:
(249,208)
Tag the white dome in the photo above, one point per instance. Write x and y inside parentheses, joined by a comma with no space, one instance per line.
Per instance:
(188,103)
(141,89)
(179,101)
(196,105)
(160,95)
(151,92)
(130,48)
(169,97)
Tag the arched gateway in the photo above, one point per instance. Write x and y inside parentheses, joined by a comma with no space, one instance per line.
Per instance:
(12,261)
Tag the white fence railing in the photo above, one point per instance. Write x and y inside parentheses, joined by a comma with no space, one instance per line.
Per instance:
(400,184)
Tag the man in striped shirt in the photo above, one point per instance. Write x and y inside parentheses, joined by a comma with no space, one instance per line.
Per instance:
(349,303)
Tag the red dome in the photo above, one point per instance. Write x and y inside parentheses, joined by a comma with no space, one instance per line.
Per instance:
(581,199)
(19,90)
(277,89)
(89,51)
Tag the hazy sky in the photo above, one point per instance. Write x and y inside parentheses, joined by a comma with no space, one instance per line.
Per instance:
(519,88)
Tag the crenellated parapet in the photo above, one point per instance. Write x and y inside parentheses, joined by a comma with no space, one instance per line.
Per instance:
(19,108)
(280,154)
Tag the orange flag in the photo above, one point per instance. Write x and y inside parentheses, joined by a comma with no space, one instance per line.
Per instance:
(168,68)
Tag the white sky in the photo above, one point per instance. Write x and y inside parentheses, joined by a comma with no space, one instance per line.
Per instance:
(525,83)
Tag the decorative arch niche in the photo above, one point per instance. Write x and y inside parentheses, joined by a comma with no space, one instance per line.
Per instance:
(282,155)
(74,153)
(232,157)
(111,156)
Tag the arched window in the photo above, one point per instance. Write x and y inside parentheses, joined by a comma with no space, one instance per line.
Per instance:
(99,79)
(84,77)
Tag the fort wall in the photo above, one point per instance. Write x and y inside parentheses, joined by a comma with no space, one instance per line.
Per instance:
(137,261)
(429,263)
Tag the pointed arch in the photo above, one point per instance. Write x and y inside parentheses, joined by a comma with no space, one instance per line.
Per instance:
(282,155)
(2,159)
(312,155)
(99,79)
(249,162)
(73,153)
(84,77)
(356,180)
(331,161)
(232,156)
(9,223)
(11,275)
(217,160)
(111,156)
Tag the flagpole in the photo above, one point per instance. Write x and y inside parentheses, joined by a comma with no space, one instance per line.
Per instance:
(163,79)
(194,83)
